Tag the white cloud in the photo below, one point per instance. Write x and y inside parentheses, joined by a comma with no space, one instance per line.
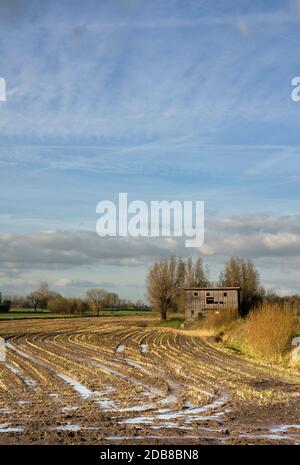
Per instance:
(69,259)
(254,236)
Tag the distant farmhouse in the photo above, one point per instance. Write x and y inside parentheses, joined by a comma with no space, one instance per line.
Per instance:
(199,301)
(5,305)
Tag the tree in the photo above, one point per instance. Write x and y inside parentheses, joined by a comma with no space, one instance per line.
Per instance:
(112,299)
(68,305)
(242,273)
(41,297)
(58,305)
(181,272)
(33,300)
(17,301)
(199,275)
(195,275)
(162,285)
(97,298)
(140,304)
(189,273)
(83,307)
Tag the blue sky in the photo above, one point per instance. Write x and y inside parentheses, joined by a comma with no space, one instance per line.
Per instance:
(187,100)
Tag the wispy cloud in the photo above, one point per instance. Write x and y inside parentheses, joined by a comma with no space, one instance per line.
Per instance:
(157,100)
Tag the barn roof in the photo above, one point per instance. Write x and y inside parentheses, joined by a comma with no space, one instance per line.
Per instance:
(186,288)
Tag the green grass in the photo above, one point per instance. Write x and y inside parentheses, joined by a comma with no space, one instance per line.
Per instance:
(24,313)
(171,323)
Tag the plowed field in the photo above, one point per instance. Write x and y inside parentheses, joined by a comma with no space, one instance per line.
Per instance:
(120,380)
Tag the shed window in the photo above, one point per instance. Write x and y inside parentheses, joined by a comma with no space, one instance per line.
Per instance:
(210,300)
(225,294)
(208,293)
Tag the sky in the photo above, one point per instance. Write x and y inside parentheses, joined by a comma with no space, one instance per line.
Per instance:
(164,100)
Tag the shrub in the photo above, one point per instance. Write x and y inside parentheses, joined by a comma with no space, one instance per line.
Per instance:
(220,319)
(68,306)
(269,330)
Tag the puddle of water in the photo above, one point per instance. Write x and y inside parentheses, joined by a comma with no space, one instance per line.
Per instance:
(129,438)
(138,366)
(22,402)
(272,437)
(193,412)
(163,410)
(283,428)
(69,409)
(6,428)
(170,399)
(277,433)
(137,408)
(5,410)
(188,415)
(109,389)
(214,417)
(107,404)
(71,427)
(169,424)
(144,348)
(78,387)
(120,349)
(137,421)
(23,354)
(12,369)
(28,381)
(67,428)
(112,371)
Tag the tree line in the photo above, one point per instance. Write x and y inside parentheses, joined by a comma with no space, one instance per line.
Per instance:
(95,301)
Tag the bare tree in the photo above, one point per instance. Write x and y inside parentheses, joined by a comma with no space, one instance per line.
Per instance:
(97,298)
(189,278)
(242,273)
(162,285)
(33,300)
(68,305)
(112,300)
(181,271)
(41,297)
(199,274)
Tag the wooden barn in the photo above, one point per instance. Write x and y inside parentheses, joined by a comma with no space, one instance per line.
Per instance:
(199,301)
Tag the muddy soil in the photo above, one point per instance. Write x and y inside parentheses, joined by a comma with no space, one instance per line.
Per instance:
(120,380)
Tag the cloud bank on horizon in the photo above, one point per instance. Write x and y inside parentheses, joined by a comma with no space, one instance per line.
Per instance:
(163,100)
